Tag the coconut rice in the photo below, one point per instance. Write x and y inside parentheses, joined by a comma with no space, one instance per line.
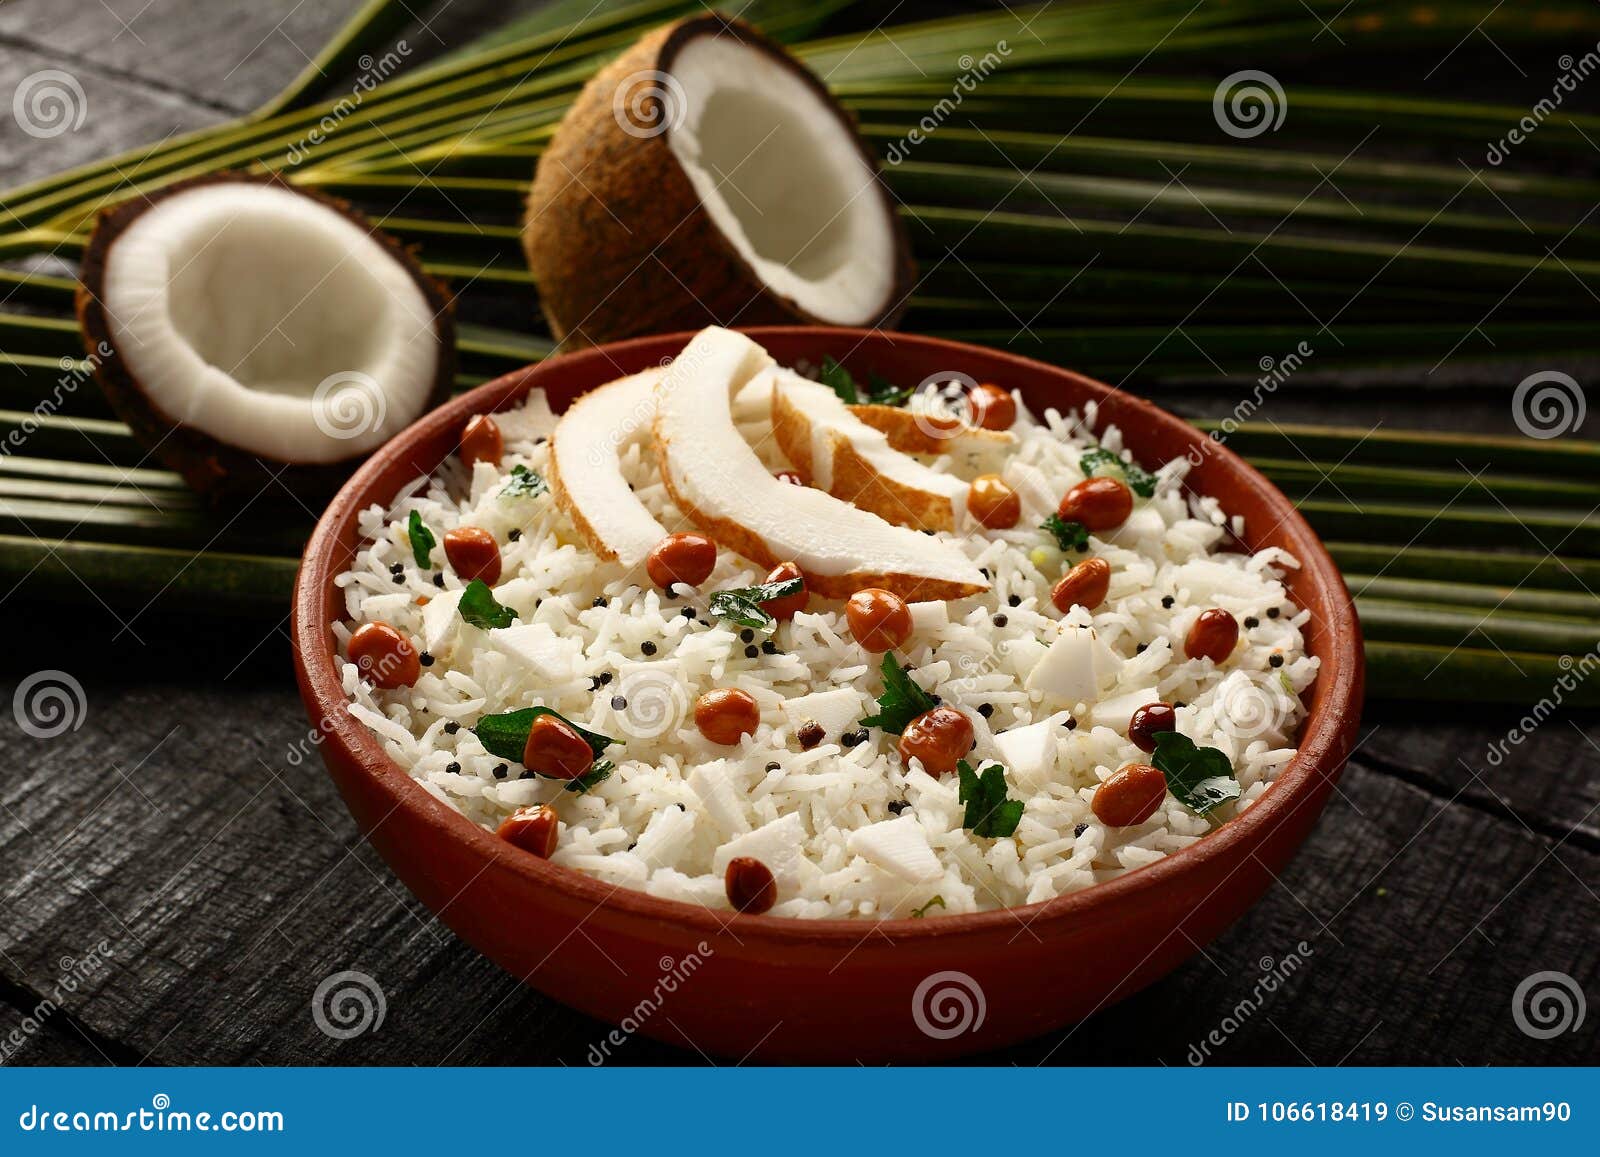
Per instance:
(622,658)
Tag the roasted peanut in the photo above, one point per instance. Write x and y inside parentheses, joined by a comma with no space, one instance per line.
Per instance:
(385,657)
(1130,796)
(473,553)
(1097,503)
(1085,585)
(938,738)
(726,715)
(685,558)
(879,619)
(1213,636)
(993,503)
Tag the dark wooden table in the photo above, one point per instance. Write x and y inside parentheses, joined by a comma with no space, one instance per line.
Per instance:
(176,851)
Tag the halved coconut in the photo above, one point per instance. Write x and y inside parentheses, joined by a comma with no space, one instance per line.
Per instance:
(839,453)
(586,468)
(248,331)
(720,484)
(706,176)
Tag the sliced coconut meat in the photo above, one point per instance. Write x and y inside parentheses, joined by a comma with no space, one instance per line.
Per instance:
(747,129)
(912,432)
(717,480)
(257,320)
(846,457)
(586,468)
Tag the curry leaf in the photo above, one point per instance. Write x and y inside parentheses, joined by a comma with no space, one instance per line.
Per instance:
(479,607)
(882,392)
(1108,463)
(506,734)
(989,813)
(902,700)
(838,379)
(1200,777)
(524,483)
(1068,535)
(598,771)
(422,540)
(742,605)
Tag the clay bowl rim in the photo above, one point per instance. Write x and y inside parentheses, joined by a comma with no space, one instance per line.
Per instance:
(1326,733)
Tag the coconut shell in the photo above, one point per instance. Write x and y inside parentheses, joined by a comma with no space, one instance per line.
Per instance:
(615,235)
(222,473)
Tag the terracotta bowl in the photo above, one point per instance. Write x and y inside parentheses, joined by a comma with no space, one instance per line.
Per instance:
(831,990)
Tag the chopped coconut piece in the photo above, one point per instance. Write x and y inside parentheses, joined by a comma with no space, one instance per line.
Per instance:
(1076,667)
(898,846)
(929,616)
(1029,752)
(586,468)
(666,837)
(1118,710)
(713,783)
(835,711)
(716,479)
(548,656)
(1144,522)
(778,845)
(439,619)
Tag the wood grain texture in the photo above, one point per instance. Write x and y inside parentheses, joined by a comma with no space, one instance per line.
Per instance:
(188,825)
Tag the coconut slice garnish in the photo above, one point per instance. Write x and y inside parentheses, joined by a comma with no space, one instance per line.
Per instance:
(841,454)
(912,432)
(243,328)
(706,176)
(717,480)
(586,468)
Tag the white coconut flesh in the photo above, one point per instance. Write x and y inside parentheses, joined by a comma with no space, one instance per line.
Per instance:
(270,322)
(783,179)
(586,467)
(722,484)
(833,429)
